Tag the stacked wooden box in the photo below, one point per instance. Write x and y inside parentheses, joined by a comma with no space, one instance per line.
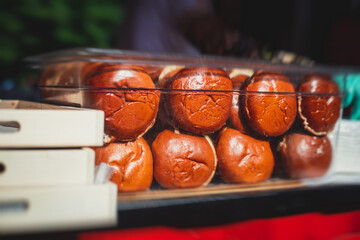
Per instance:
(47,169)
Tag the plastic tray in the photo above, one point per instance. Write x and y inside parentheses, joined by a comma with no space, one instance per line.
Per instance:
(80,77)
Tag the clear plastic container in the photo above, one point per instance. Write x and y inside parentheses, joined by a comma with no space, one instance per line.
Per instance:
(174,121)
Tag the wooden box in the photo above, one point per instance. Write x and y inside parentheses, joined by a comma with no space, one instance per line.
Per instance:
(36,125)
(46,167)
(24,210)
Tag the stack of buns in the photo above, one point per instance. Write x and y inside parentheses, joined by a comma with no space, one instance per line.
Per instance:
(179,124)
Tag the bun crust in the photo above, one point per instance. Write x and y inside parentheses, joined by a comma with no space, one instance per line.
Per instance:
(319,114)
(128,113)
(132,164)
(243,159)
(238,78)
(183,161)
(305,156)
(200,112)
(270,114)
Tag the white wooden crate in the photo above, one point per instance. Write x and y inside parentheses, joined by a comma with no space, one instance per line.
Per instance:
(25,210)
(46,167)
(347,156)
(36,125)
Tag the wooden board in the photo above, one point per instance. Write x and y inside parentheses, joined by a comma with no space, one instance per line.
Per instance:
(211,190)
(347,154)
(46,167)
(37,125)
(24,210)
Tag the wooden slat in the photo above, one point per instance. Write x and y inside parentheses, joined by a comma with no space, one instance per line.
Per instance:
(9,104)
(19,104)
(46,167)
(37,125)
(39,209)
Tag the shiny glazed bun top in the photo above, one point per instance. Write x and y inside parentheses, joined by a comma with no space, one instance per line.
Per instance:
(319,113)
(128,113)
(183,161)
(200,112)
(243,159)
(270,114)
(110,75)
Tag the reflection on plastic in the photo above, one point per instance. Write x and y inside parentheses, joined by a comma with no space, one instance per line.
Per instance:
(103,173)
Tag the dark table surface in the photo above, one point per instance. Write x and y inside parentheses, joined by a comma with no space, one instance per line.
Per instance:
(210,211)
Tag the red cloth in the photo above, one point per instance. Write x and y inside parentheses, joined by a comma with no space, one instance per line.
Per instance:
(343,226)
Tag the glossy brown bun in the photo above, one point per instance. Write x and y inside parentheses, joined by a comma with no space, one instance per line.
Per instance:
(128,113)
(305,156)
(270,114)
(183,161)
(319,113)
(164,80)
(238,78)
(243,159)
(200,112)
(132,164)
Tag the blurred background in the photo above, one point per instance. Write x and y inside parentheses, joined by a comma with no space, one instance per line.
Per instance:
(322,31)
